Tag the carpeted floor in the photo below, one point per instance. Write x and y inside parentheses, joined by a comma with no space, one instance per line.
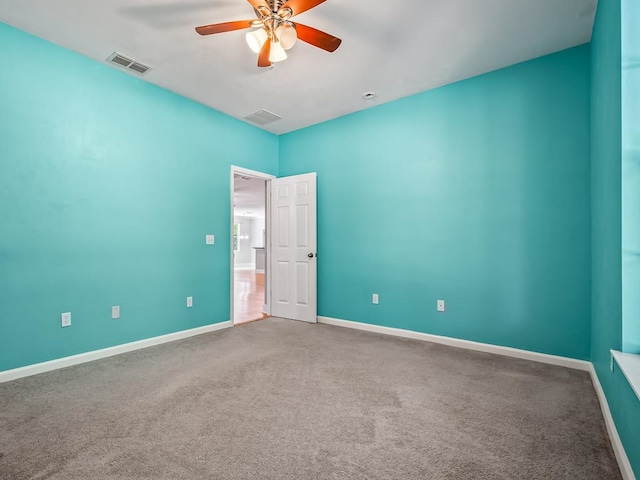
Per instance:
(279,399)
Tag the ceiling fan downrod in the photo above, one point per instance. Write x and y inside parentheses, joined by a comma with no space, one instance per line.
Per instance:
(276,5)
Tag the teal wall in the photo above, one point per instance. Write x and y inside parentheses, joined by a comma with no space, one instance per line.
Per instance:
(477,193)
(631,176)
(606,206)
(606,154)
(108,186)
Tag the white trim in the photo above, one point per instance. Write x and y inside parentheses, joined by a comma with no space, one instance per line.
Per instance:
(244,266)
(37,368)
(616,443)
(267,282)
(629,364)
(467,344)
(251,173)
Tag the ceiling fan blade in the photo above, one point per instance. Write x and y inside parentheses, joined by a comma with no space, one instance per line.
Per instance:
(317,38)
(258,3)
(223,27)
(265,52)
(299,6)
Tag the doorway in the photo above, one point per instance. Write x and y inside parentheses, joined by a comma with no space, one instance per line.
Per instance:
(249,299)
(274,254)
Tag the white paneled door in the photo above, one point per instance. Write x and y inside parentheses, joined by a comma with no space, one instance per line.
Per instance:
(293,247)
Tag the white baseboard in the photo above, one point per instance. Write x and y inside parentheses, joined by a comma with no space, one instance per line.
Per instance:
(244,266)
(618,448)
(37,368)
(467,344)
(616,443)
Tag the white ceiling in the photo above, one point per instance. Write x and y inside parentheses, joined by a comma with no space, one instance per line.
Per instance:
(249,197)
(394,49)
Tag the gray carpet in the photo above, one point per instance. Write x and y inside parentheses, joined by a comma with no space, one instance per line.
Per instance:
(279,399)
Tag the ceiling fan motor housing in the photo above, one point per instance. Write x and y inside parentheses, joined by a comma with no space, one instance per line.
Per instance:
(276,4)
(274,14)
(275,32)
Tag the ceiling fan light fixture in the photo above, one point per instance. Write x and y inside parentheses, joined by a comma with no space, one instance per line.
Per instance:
(273,25)
(277,52)
(287,35)
(256,39)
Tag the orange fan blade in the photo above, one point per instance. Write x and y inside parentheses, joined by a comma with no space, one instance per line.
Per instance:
(258,3)
(223,27)
(265,52)
(318,38)
(299,6)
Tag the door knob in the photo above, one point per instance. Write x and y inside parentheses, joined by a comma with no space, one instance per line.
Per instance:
(310,255)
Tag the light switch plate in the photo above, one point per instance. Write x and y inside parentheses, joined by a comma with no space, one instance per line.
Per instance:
(374,299)
(189,302)
(210,239)
(115,311)
(440,305)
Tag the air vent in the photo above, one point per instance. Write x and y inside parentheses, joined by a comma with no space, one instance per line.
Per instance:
(138,67)
(262,117)
(129,64)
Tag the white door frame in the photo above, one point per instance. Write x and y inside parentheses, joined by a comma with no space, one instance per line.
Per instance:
(267,217)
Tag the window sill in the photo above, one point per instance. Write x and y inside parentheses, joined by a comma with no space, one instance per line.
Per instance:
(630,366)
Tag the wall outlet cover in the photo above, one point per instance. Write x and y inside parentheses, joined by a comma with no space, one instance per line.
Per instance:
(189,302)
(65,319)
(611,363)
(210,239)
(440,305)
(375,298)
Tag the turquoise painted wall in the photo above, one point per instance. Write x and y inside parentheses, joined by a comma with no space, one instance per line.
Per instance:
(631,176)
(108,186)
(477,193)
(606,154)
(606,205)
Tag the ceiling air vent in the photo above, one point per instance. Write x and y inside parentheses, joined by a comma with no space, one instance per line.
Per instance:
(128,63)
(262,117)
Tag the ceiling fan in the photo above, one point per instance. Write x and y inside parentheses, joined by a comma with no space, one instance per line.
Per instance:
(275,32)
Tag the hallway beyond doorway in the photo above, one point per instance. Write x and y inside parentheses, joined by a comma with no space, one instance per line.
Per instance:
(249,295)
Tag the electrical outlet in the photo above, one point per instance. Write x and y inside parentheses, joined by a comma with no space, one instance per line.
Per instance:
(440,305)
(611,362)
(210,239)
(115,312)
(189,302)
(374,298)
(65,319)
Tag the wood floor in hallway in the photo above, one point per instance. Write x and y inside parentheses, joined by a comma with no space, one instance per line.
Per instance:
(248,296)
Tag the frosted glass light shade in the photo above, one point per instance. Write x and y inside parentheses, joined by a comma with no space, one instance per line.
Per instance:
(277,53)
(256,39)
(287,36)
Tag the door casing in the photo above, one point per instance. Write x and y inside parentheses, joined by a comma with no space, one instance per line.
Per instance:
(235,170)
